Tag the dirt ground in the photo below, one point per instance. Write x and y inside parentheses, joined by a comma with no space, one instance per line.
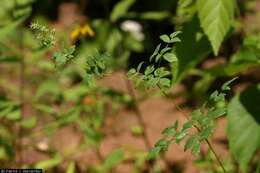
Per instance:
(157,113)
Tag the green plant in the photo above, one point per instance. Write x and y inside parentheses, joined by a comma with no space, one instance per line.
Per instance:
(64,90)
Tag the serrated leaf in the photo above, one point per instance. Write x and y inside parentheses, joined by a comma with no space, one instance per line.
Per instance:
(180,136)
(187,125)
(165,38)
(153,153)
(164,82)
(169,131)
(206,133)
(152,82)
(189,143)
(244,126)
(162,144)
(217,112)
(149,70)
(71,50)
(215,18)
(196,148)
(196,114)
(170,57)
(161,72)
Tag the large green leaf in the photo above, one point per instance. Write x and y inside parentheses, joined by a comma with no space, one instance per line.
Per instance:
(244,126)
(215,18)
(4,31)
(121,9)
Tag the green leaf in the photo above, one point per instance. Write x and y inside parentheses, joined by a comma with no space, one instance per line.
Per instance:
(164,50)
(137,130)
(14,115)
(152,82)
(29,122)
(162,144)
(206,133)
(190,142)
(170,57)
(165,38)
(149,70)
(121,9)
(60,59)
(171,131)
(196,147)
(161,72)
(216,17)
(131,72)
(154,15)
(174,34)
(225,86)
(174,40)
(191,50)
(139,66)
(71,168)
(187,125)
(164,82)
(156,51)
(244,126)
(113,159)
(180,136)
(153,153)
(4,31)
(217,112)
(47,164)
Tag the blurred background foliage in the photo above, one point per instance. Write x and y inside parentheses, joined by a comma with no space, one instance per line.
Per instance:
(36,99)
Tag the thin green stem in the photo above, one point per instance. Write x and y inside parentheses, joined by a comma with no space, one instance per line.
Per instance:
(215,154)
(198,129)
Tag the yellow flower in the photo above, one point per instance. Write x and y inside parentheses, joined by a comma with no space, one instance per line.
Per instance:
(87,31)
(75,34)
(80,31)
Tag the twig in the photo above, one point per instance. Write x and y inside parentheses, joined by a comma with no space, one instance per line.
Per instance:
(141,121)
(139,116)
(198,129)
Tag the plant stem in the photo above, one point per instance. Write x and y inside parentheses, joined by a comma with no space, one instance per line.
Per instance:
(198,129)
(141,121)
(139,116)
(215,154)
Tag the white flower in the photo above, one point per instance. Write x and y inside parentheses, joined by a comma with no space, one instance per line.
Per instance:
(134,28)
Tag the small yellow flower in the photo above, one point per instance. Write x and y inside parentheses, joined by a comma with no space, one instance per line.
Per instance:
(84,30)
(87,31)
(75,34)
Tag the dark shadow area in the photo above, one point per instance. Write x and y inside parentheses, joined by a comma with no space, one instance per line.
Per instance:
(251,101)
